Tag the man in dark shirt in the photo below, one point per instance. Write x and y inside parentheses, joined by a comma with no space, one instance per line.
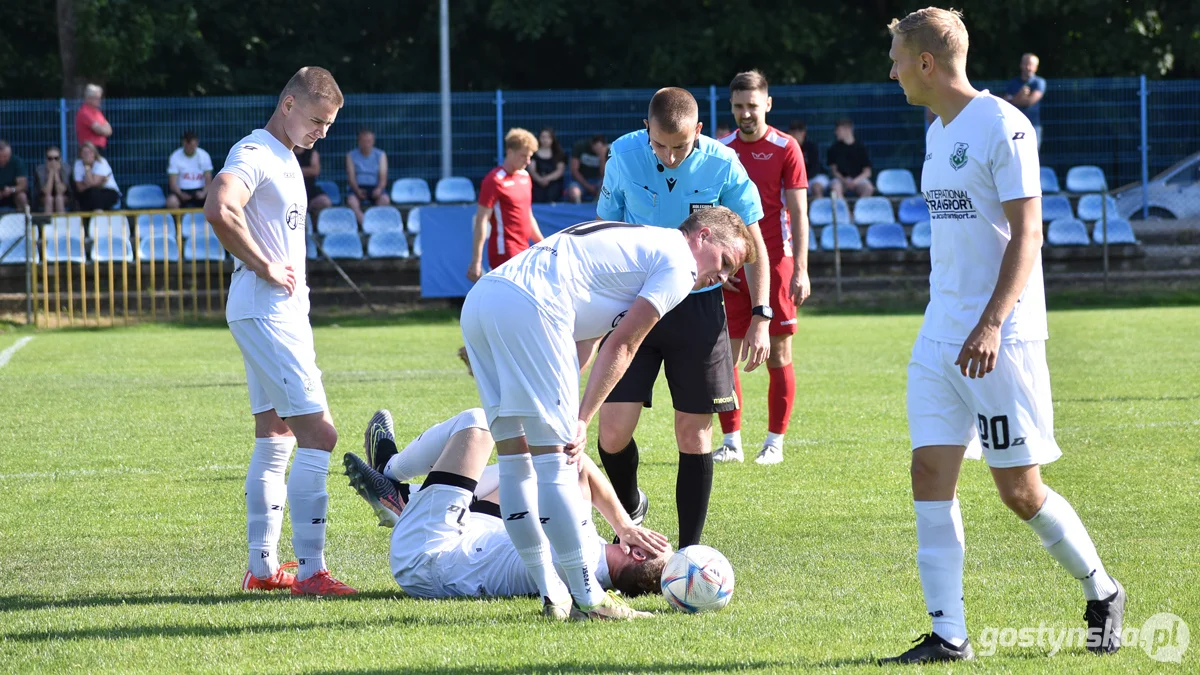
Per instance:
(14,181)
(1026,92)
(818,181)
(587,169)
(849,163)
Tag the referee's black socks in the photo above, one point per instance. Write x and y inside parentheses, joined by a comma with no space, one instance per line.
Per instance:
(622,468)
(693,486)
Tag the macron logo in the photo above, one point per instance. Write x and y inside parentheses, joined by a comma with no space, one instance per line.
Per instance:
(762,156)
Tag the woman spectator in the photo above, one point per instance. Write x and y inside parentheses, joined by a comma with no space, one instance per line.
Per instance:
(548,168)
(310,166)
(53,183)
(94,182)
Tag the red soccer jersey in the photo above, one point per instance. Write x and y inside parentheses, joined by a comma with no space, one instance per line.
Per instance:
(510,197)
(84,119)
(775,163)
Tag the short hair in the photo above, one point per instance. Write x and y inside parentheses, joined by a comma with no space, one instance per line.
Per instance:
(190,135)
(93,90)
(940,32)
(674,109)
(598,138)
(4,145)
(797,125)
(751,80)
(520,139)
(313,82)
(640,578)
(844,122)
(1030,55)
(727,229)
(364,130)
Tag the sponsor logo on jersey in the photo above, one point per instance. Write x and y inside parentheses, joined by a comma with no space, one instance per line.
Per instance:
(604,192)
(293,217)
(949,204)
(762,156)
(1018,135)
(959,159)
(928,156)
(671,184)
(289,175)
(617,319)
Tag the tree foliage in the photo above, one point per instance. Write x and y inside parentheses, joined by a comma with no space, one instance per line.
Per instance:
(155,48)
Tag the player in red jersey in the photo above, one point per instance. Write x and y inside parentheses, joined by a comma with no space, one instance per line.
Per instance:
(505,200)
(776,165)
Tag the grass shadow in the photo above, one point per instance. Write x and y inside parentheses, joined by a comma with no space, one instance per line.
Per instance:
(24,603)
(573,667)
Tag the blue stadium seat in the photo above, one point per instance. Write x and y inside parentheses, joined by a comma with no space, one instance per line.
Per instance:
(64,249)
(848,238)
(145,196)
(158,249)
(1049,181)
(872,210)
(821,212)
(12,225)
(331,189)
(390,244)
(1067,232)
(1086,178)
(896,182)
(337,219)
(194,225)
(414,221)
(411,191)
(922,235)
(1119,232)
(1090,207)
(382,219)
(156,225)
(109,224)
(455,189)
(203,248)
(812,240)
(311,248)
(913,210)
(343,246)
(64,226)
(416,247)
(18,254)
(308,223)
(881,236)
(1056,207)
(112,245)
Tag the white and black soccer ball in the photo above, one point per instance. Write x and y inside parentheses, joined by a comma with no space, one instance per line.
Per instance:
(697,579)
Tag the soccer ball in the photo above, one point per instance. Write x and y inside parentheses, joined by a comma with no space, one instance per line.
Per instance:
(697,579)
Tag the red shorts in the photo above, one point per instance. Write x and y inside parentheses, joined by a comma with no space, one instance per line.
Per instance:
(737,305)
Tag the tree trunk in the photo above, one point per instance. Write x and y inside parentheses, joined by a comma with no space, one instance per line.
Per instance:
(72,86)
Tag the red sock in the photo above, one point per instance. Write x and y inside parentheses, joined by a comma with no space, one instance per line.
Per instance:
(732,421)
(781,394)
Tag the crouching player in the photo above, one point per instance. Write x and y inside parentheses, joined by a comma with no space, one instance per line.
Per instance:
(448,539)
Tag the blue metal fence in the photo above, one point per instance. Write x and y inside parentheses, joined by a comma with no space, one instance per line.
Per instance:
(1086,121)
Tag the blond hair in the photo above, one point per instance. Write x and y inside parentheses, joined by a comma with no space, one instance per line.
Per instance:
(940,32)
(520,139)
(727,228)
(312,82)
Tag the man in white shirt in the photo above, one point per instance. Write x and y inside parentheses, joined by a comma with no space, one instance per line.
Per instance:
(189,171)
(256,208)
(531,324)
(978,379)
(448,540)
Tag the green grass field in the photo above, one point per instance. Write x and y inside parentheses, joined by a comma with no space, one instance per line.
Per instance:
(122,526)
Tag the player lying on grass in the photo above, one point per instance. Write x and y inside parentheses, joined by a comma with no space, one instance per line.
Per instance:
(448,539)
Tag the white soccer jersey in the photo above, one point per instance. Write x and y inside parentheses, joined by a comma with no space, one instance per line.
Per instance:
(190,170)
(596,270)
(275,216)
(986,156)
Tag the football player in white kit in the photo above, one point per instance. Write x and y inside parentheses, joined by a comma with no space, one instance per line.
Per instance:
(448,540)
(978,379)
(257,209)
(531,324)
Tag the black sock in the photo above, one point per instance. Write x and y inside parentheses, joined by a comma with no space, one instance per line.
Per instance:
(693,486)
(385,449)
(621,468)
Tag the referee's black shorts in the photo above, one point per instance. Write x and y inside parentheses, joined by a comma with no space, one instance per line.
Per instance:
(693,343)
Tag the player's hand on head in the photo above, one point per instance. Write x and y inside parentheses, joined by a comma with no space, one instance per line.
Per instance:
(281,274)
(649,540)
(572,449)
(979,353)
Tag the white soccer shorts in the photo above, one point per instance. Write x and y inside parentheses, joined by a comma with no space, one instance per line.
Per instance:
(1007,413)
(281,366)
(525,363)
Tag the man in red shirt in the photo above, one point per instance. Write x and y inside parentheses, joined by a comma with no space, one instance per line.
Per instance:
(505,201)
(90,125)
(776,165)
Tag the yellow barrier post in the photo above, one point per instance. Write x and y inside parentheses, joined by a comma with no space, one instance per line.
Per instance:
(207,276)
(45,282)
(179,267)
(70,279)
(153,285)
(112,297)
(137,258)
(195,290)
(125,274)
(96,279)
(82,281)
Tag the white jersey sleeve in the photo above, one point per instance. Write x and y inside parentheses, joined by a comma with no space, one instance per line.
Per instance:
(1014,161)
(246,160)
(669,281)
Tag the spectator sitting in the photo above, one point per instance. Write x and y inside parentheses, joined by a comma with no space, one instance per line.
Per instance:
(548,168)
(310,166)
(53,183)
(818,181)
(94,182)
(366,175)
(1026,92)
(189,172)
(849,163)
(14,182)
(587,169)
(90,124)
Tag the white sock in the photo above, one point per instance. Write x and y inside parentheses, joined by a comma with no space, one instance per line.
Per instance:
(940,550)
(266,494)
(418,457)
(774,439)
(566,520)
(1064,536)
(734,439)
(489,481)
(306,490)
(519,508)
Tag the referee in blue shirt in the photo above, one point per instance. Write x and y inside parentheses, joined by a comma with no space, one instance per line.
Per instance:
(658,176)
